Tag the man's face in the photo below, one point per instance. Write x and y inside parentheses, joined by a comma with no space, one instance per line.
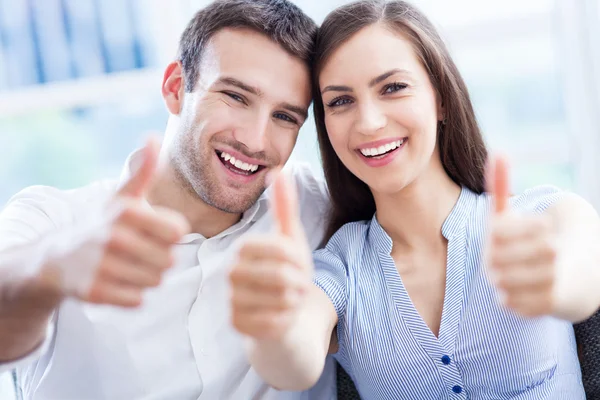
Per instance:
(241,121)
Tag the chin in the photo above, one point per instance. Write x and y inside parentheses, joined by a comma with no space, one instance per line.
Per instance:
(388,185)
(234,202)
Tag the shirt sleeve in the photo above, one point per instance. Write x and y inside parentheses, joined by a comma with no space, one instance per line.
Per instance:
(33,355)
(332,277)
(538,199)
(27,217)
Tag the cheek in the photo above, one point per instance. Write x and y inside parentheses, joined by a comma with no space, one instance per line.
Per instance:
(337,130)
(420,121)
(214,117)
(282,142)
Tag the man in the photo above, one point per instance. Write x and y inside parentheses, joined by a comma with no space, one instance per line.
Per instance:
(105,294)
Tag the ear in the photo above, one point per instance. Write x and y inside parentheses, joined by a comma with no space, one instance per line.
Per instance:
(173,87)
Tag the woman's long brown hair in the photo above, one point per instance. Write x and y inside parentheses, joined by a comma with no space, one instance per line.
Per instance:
(460,143)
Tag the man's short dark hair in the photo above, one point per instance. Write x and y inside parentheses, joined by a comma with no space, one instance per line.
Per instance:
(280,20)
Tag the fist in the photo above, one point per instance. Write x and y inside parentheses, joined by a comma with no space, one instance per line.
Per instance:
(272,273)
(521,251)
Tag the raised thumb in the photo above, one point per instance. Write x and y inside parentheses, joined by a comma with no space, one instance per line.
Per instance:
(139,182)
(285,206)
(499,183)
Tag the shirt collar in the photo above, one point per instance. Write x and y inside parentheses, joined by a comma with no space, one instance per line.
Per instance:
(253,214)
(457,219)
(453,224)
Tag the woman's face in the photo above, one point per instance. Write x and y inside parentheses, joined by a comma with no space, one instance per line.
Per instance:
(381,110)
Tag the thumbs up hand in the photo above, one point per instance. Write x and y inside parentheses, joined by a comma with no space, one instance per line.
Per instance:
(139,247)
(521,251)
(113,259)
(272,273)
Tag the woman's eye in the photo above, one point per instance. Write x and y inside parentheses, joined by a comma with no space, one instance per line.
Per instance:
(339,102)
(394,87)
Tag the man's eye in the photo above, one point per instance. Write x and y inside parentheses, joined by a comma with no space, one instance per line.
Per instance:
(236,97)
(285,117)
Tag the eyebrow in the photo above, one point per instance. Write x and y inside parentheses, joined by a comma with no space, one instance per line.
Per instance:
(373,82)
(301,111)
(336,88)
(386,75)
(227,80)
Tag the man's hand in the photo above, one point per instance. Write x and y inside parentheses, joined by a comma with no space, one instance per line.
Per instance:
(132,255)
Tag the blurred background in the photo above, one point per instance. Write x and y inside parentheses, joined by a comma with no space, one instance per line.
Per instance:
(80,86)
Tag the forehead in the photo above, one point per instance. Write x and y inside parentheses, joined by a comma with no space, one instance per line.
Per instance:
(378,48)
(254,59)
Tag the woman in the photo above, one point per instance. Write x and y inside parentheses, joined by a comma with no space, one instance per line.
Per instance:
(404,296)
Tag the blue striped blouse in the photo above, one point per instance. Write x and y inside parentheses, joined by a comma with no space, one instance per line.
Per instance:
(484,351)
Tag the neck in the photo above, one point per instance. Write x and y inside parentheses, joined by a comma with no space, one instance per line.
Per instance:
(413,217)
(169,191)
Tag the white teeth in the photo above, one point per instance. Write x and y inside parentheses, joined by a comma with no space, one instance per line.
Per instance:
(376,151)
(238,163)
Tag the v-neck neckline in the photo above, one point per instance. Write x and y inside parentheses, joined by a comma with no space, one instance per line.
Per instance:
(454,229)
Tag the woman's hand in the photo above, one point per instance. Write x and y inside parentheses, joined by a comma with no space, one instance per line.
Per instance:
(273,273)
(521,252)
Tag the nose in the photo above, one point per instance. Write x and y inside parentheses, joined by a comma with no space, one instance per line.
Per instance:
(370,118)
(252,131)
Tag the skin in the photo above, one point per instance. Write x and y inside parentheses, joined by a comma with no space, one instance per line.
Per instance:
(245,105)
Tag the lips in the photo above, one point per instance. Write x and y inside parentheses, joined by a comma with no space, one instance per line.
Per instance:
(382,149)
(380,153)
(237,165)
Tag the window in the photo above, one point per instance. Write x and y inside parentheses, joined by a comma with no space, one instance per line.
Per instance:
(71,113)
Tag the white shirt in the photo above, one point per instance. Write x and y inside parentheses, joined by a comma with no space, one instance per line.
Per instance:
(180,343)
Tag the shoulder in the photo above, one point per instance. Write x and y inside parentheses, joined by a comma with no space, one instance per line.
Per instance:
(347,241)
(37,204)
(534,200)
(556,201)
(570,206)
(335,263)
(550,199)
(310,184)
(538,199)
